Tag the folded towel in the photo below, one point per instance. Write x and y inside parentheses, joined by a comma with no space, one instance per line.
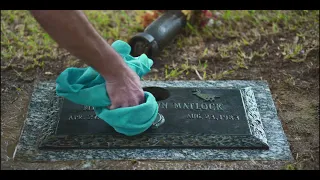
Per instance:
(86,86)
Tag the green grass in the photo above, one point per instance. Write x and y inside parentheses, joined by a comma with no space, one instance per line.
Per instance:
(24,42)
(290,167)
(22,38)
(242,29)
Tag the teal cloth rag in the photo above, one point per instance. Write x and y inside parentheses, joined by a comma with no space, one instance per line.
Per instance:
(86,86)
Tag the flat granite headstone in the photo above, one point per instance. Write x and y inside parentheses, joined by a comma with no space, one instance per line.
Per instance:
(199,120)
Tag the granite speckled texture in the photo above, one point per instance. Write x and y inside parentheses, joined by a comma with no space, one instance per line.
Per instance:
(44,110)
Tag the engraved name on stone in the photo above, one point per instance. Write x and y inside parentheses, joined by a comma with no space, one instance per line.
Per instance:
(192,106)
(202,107)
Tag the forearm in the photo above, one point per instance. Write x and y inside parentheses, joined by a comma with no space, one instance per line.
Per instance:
(72,31)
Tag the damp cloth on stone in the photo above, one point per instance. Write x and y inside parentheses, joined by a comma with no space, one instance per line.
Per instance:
(86,86)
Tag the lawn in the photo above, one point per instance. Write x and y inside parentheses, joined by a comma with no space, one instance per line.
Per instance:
(281,47)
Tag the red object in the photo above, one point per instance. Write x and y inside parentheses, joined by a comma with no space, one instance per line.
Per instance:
(208,14)
(148,17)
(203,23)
(205,17)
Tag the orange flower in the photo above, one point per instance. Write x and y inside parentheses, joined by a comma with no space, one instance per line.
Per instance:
(149,17)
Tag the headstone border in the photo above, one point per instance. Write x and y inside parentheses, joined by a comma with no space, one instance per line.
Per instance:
(44,93)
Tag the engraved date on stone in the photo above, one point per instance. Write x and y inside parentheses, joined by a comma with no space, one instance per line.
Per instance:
(213,117)
(83,117)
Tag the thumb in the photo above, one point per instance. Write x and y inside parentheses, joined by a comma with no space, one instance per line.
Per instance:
(111,107)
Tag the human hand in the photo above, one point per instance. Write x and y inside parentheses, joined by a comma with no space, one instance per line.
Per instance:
(125,89)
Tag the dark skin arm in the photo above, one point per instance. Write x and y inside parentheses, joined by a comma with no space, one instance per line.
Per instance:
(72,31)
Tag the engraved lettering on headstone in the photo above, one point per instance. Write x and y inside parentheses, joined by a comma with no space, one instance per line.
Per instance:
(87,108)
(177,105)
(191,105)
(204,106)
(214,117)
(75,117)
(212,106)
(92,116)
(81,117)
(194,116)
(219,106)
(197,106)
(163,105)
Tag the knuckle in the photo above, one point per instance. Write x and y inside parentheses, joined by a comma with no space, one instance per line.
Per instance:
(140,95)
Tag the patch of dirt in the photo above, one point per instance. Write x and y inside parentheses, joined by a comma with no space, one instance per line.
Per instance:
(152,165)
